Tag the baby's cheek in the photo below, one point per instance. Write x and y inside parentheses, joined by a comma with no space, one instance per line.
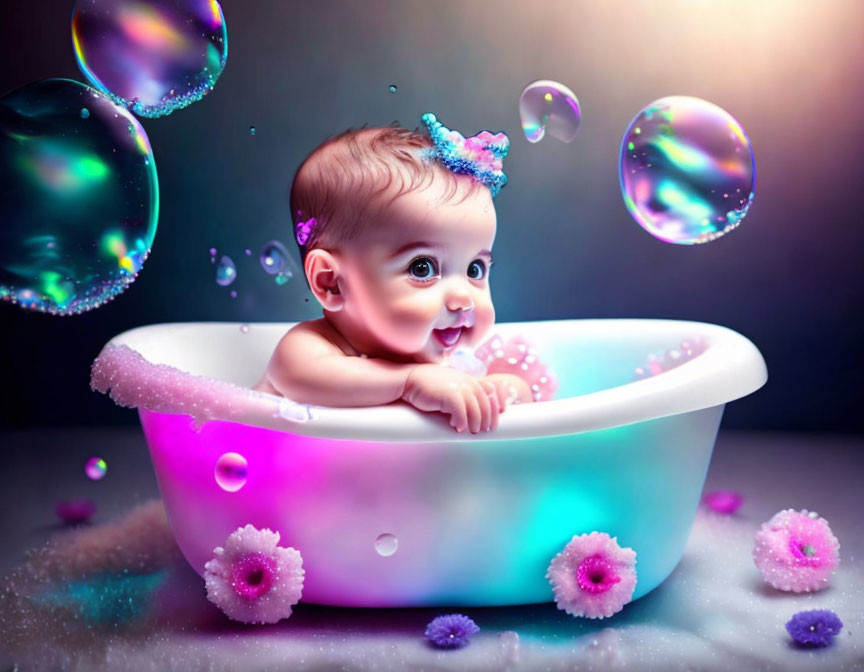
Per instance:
(411,319)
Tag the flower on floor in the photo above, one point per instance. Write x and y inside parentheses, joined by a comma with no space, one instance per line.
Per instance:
(813,628)
(723,501)
(451,631)
(796,551)
(252,579)
(593,576)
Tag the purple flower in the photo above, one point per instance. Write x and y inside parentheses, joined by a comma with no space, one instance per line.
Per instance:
(813,628)
(451,631)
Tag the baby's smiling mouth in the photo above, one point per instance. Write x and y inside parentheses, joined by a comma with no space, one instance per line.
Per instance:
(448,337)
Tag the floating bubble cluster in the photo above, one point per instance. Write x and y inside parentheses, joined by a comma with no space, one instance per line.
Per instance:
(549,106)
(687,171)
(230,472)
(154,56)
(276,261)
(80,197)
(95,468)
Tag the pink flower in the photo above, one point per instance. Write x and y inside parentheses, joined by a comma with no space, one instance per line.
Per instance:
(796,551)
(593,576)
(252,579)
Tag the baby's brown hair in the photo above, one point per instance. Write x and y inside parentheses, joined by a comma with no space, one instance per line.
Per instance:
(337,180)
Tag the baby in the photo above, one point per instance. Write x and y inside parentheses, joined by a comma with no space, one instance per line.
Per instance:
(395,231)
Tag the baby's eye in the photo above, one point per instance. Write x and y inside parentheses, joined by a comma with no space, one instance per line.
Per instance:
(423,268)
(477,270)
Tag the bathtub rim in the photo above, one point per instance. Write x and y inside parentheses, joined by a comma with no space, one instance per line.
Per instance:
(730,368)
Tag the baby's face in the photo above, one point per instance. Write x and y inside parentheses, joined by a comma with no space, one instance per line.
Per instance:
(416,281)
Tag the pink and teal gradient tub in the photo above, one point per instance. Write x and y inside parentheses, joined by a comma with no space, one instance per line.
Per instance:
(475,520)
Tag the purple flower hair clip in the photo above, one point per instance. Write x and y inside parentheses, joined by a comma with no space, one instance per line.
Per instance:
(303,230)
(481,155)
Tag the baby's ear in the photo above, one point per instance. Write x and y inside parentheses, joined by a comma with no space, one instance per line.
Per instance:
(322,272)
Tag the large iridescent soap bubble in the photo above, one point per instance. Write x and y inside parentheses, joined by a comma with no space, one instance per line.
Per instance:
(687,171)
(547,106)
(79,198)
(154,56)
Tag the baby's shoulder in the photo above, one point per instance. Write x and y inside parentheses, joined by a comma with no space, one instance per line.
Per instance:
(310,339)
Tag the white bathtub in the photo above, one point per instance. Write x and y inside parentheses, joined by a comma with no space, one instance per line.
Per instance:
(477,518)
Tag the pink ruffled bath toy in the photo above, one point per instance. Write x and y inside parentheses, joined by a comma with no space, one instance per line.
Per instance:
(796,551)
(518,357)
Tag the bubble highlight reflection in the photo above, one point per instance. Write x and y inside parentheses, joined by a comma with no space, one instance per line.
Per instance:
(687,170)
(153,57)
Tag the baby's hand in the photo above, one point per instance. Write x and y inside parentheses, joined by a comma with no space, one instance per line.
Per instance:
(470,402)
(509,389)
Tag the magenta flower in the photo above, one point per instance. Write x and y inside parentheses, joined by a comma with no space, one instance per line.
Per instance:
(796,551)
(723,501)
(593,576)
(252,579)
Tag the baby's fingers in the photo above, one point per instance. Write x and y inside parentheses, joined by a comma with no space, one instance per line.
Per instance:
(485,407)
(494,405)
(456,407)
(475,415)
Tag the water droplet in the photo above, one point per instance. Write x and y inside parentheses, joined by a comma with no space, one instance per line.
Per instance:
(231,472)
(386,544)
(549,106)
(226,272)
(392,88)
(85,113)
(95,468)
(251,130)
(244,328)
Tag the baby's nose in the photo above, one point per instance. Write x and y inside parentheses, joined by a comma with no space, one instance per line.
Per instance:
(459,299)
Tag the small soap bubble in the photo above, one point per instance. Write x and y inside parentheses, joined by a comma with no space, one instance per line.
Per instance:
(273,256)
(248,252)
(392,88)
(85,113)
(95,468)
(244,328)
(226,272)
(547,106)
(276,261)
(231,471)
(153,57)
(386,544)
(212,251)
(233,293)
(687,171)
(251,130)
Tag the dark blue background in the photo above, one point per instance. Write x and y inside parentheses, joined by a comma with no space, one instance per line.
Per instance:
(789,278)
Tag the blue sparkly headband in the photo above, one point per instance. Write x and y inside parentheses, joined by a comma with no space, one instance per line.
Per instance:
(481,155)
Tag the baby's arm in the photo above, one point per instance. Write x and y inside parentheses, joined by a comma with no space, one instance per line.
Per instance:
(308,368)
